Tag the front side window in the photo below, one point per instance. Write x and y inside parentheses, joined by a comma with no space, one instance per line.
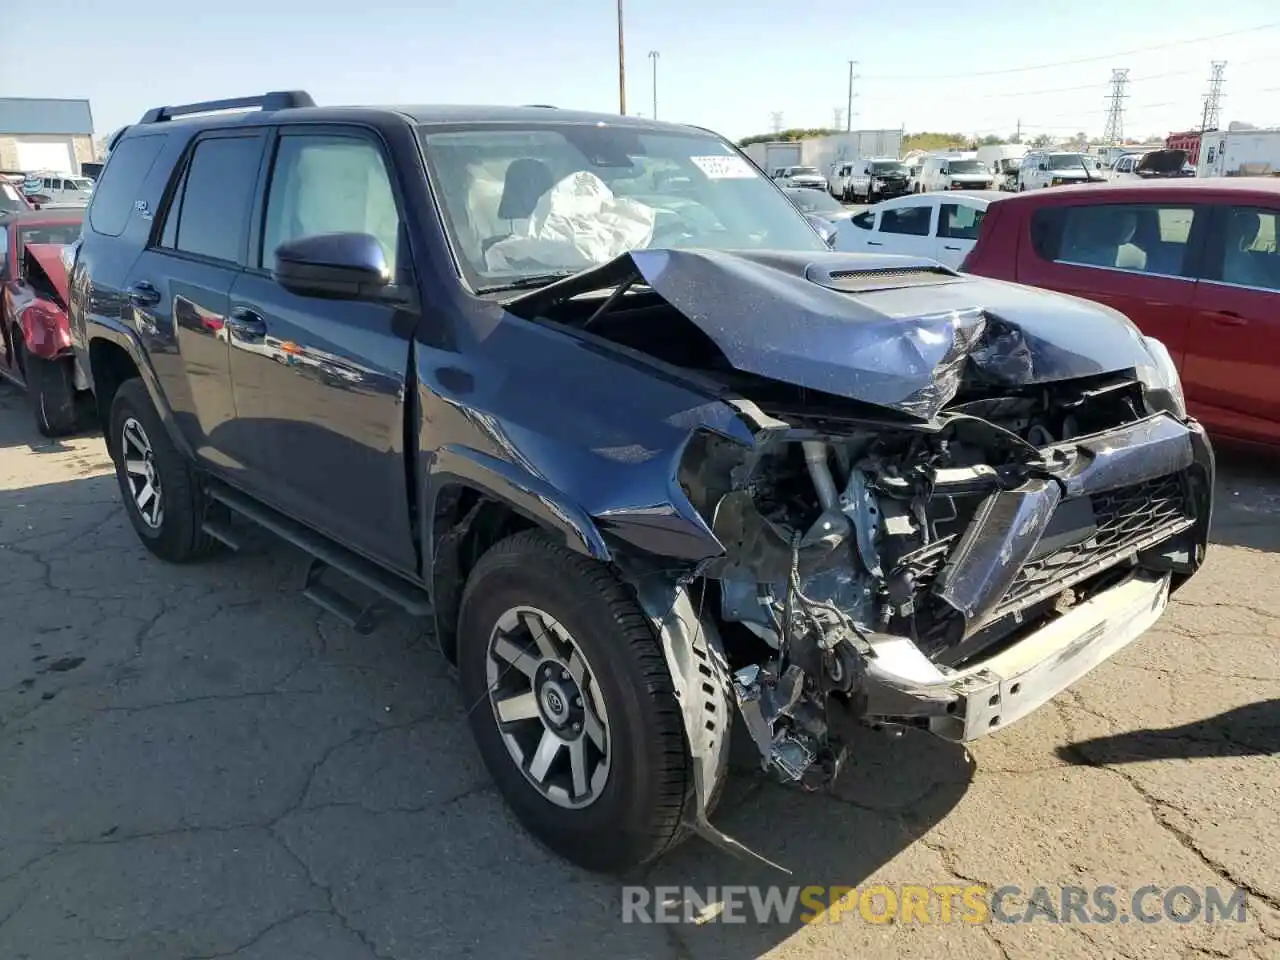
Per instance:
(209,214)
(959,222)
(541,199)
(1139,237)
(910,221)
(1249,255)
(329,184)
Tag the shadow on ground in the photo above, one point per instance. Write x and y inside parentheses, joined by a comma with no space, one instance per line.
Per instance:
(1250,730)
(1247,500)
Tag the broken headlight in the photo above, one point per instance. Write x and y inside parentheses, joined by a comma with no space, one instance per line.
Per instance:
(1160,381)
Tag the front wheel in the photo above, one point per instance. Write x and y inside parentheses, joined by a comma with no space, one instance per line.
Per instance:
(571,704)
(51,391)
(161,490)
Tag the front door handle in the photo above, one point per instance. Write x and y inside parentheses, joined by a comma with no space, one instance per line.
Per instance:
(246,324)
(143,294)
(1229,318)
(874,243)
(945,247)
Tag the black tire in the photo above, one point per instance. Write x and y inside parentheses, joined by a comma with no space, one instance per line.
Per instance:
(638,813)
(51,392)
(178,536)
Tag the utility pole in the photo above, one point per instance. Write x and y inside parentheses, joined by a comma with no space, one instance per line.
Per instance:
(653,56)
(1211,116)
(622,67)
(1113,132)
(848,115)
(1017,137)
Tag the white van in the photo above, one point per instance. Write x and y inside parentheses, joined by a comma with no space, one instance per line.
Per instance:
(62,189)
(961,172)
(1003,160)
(1044,169)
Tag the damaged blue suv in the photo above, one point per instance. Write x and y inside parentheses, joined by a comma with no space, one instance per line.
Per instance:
(591,394)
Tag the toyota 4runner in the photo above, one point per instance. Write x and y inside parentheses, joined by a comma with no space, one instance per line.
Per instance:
(589,392)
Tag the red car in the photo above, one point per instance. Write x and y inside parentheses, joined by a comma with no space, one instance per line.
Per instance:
(35,341)
(1193,262)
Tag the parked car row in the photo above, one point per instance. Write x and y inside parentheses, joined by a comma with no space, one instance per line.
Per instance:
(766,481)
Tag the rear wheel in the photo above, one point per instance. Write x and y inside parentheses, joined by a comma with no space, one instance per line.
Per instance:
(571,704)
(159,485)
(51,392)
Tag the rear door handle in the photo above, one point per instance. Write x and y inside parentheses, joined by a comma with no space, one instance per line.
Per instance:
(874,243)
(1229,318)
(247,324)
(945,247)
(143,294)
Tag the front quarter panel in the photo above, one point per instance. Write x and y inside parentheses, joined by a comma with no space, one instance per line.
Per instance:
(572,434)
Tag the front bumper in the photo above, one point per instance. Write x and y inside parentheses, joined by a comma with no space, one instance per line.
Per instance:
(987,697)
(905,686)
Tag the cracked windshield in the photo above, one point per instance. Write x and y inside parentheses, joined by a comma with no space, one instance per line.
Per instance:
(641,480)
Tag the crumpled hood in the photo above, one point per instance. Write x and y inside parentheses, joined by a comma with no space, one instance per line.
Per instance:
(48,259)
(896,332)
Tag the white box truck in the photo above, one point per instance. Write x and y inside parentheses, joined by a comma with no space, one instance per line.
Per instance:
(1240,153)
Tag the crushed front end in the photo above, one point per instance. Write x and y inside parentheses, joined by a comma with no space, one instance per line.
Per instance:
(952,577)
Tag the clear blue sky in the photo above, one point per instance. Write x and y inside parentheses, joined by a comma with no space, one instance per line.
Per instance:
(726,65)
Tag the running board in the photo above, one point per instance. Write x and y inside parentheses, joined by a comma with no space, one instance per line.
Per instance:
(326,555)
(358,618)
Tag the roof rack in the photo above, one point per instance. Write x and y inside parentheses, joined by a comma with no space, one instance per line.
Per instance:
(276,100)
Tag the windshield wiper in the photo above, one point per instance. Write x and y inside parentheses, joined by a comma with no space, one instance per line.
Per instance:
(527,283)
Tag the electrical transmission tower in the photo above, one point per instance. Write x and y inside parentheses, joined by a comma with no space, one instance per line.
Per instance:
(775,121)
(1213,99)
(1113,133)
(837,115)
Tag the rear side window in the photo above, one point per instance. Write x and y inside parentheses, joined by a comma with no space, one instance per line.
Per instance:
(214,199)
(864,221)
(121,182)
(911,221)
(1138,237)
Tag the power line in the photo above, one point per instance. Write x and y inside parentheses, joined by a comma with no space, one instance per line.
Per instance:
(1071,63)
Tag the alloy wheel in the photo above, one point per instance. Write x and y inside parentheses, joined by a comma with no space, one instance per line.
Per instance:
(141,472)
(548,707)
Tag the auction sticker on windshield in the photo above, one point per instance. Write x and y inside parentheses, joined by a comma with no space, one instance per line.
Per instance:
(724,168)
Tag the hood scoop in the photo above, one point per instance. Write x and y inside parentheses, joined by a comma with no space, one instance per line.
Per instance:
(883,278)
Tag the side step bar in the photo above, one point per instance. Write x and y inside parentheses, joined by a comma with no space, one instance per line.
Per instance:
(326,555)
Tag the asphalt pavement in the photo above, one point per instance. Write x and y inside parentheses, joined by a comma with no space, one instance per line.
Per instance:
(197,763)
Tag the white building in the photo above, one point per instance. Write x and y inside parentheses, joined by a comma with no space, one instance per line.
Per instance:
(55,135)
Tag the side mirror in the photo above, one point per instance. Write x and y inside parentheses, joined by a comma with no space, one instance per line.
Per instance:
(345,266)
(826,229)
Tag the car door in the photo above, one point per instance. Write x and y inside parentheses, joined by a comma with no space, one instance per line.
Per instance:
(1233,348)
(178,287)
(958,223)
(1140,258)
(906,229)
(320,383)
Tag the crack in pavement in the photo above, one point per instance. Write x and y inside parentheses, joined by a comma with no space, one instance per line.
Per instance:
(1157,809)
